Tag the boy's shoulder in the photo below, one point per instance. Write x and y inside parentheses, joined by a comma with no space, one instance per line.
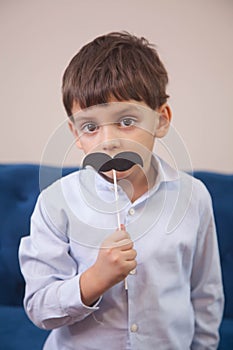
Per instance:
(196,194)
(199,189)
(62,184)
(54,201)
(185,182)
(70,188)
(60,181)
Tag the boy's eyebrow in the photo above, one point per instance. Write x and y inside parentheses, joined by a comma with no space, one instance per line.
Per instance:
(84,114)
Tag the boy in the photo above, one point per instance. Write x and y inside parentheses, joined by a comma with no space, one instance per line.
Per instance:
(138,286)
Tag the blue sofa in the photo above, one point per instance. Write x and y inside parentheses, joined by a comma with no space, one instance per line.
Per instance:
(19,188)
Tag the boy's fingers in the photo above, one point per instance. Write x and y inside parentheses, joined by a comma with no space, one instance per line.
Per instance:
(117,239)
(125,244)
(132,265)
(130,255)
(119,235)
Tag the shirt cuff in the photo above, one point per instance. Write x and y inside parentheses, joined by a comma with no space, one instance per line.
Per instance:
(69,296)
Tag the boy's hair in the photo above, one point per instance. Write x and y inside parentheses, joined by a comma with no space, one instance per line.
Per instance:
(118,65)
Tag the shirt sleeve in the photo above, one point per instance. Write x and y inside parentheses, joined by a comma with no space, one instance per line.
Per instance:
(206,281)
(52,294)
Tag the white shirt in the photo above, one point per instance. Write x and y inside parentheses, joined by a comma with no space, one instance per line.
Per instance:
(174,299)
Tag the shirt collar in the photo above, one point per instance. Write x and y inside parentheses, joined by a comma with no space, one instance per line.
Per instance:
(165,172)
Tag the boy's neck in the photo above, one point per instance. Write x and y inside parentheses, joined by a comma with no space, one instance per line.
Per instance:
(137,183)
(140,184)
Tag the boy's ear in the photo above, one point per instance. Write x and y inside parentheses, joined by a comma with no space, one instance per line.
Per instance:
(165,116)
(75,133)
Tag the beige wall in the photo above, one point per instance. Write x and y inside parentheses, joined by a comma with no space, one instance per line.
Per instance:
(194,38)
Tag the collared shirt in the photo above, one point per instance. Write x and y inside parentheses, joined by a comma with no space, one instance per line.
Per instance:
(174,299)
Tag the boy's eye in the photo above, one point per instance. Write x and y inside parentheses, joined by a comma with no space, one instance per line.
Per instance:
(89,128)
(127,122)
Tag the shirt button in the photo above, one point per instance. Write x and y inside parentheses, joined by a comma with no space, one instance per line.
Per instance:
(131,211)
(133,272)
(134,328)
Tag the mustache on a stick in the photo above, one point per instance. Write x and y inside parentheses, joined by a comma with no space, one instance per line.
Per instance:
(122,161)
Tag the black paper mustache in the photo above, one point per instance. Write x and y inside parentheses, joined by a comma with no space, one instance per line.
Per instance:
(102,162)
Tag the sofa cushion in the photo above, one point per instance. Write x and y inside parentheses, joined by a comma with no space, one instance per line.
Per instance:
(18,332)
(226,335)
(220,187)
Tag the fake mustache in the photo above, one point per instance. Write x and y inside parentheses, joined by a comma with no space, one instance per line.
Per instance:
(102,162)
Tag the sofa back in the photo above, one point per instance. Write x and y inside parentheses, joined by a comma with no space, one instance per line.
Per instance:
(220,187)
(19,189)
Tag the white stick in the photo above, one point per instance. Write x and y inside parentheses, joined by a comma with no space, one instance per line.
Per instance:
(118,212)
(116,197)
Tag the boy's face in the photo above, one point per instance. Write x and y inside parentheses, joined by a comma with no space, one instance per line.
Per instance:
(120,126)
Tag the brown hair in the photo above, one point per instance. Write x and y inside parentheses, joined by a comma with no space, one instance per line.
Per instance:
(118,65)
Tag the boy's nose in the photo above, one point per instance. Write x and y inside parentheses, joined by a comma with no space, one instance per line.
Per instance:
(110,138)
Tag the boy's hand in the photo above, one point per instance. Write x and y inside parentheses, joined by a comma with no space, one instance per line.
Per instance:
(115,260)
